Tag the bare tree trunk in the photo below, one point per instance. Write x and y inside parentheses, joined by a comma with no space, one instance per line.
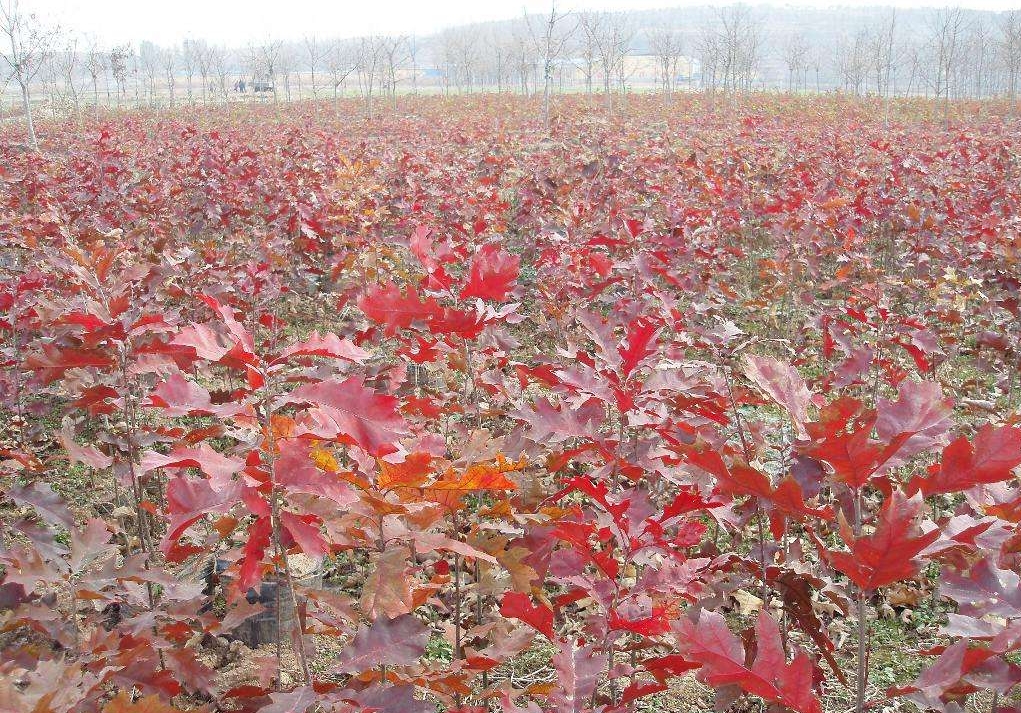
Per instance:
(29,123)
(545,96)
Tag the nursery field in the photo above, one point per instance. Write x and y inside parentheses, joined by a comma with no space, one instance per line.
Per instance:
(711,402)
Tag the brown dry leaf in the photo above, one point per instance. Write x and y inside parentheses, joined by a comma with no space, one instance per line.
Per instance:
(747,602)
(387,591)
(904,594)
(825,606)
(522,574)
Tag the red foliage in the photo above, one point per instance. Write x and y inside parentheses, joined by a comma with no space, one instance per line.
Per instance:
(504,392)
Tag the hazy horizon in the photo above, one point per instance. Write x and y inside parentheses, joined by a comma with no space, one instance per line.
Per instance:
(236,23)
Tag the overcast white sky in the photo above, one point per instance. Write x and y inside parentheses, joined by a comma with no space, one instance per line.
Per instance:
(237,22)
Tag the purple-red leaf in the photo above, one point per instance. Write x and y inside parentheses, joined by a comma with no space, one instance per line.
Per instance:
(782,383)
(353,412)
(387,642)
(709,641)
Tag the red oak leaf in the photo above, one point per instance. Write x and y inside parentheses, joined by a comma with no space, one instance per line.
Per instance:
(354,413)
(578,669)
(51,507)
(492,274)
(387,642)
(327,345)
(519,606)
(888,555)
(295,471)
(640,334)
(783,384)
(217,466)
(53,361)
(387,305)
(305,531)
(178,396)
(255,547)
(990,459)
(89,455)
(188,499)
(708,640)
(413,472)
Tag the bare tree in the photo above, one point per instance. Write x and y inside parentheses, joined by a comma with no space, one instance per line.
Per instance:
(710,52)
(913,56)
(549,41)
(795,57)
(367,63)
(591,26)
(852,61)
(68,63)
(731,49)
(666,46)
(884,58)
(341,63)
(626,34)
(613,40)
(446,55)
(221,70)
(976,74)
(27,44)
(190,60)
(951,53)
(744,45)
(497,59)
(265,63)
(413,54)
(393,52)
(947,28)
(460,55)
(95,65)
(814,62)
(135,75)
(149,64)
(314,52)
(469,57)
(1009,47)
(120,58)
(523,58)
(882,52)
(168,60)
(50,78)
(203,54)
(285,66)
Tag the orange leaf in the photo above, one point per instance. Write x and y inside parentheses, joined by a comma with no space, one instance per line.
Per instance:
(324,460)
(412,473)
(225,525)
(483,476)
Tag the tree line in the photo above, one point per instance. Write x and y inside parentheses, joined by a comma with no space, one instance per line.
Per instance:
(944,53)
